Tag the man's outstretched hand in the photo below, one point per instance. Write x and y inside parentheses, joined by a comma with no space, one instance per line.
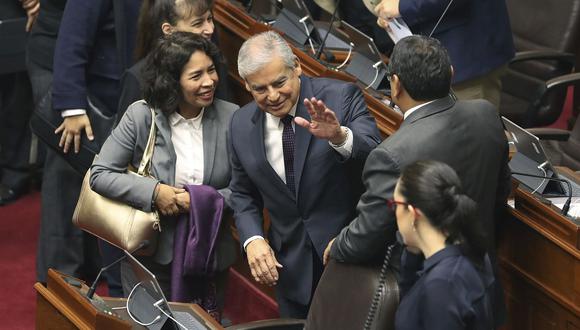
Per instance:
(323,123)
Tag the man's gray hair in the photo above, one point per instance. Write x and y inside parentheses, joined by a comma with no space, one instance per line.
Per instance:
(260,49)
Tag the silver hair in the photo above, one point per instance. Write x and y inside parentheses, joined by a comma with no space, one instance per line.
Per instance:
(260,49)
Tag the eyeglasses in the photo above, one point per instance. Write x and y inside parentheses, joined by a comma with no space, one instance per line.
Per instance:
(392,204)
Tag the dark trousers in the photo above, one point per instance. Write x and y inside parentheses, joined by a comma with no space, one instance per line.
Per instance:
(292,309)
(15,109)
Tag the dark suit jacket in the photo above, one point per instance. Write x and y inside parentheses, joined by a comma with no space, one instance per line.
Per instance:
(325,197)
(476,33)
(467,135)
(94,46)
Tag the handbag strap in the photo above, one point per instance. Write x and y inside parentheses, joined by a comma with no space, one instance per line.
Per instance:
(148,153)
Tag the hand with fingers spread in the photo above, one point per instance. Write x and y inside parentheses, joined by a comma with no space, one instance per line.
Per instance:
(263,263)
(167,199)
(323,123)
(72,128)
(326,254)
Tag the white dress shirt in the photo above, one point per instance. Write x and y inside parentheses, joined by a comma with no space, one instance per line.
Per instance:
(415,108)
(187,139)
(275,153)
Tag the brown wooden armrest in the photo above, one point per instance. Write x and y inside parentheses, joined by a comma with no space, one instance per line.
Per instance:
(550,133)
(274,324)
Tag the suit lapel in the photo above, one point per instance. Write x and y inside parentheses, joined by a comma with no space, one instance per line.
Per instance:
(302,135)
(209,143)
(257,132)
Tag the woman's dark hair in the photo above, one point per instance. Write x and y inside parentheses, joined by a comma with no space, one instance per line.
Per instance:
(163,68)
(435,189)
(156,12)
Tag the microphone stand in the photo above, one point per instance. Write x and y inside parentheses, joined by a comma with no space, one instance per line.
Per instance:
(566,206)
(332,19)
(93,288)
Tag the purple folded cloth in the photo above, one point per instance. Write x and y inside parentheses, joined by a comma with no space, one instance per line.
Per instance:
(194,246)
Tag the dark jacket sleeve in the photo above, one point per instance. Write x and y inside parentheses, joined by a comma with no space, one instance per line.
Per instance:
(245,198)
(367,235)
(366,135)
(73,52)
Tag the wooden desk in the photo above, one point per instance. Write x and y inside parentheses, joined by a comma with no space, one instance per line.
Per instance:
(62,305)
(539,257)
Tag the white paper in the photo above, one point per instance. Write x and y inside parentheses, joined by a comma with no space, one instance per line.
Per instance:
(398,29)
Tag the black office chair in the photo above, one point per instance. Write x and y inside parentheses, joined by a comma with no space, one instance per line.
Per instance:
(547,39)
(562,146)
(342,301)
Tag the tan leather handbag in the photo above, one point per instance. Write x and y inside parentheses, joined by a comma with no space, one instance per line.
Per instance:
(116,222)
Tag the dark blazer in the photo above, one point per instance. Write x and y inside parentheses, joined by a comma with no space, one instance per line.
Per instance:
(325,189)
(445,292)
(476,33)
(126,145)
(94,46)
(467,135)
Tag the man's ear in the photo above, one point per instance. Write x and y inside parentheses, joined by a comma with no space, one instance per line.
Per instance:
(396,87)
(166,28)
(247,86)
(297,66)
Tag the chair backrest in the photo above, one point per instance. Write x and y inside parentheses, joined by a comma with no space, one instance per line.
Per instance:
(571,148)
(539,25)
(344,295)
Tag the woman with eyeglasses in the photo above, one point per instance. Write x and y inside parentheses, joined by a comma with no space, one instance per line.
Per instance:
(446,277)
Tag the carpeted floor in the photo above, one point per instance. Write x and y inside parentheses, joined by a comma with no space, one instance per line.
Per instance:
(19,223)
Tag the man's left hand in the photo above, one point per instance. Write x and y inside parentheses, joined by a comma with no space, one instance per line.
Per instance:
(323,124)
(326,254)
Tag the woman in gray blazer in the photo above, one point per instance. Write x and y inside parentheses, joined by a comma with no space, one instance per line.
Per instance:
(190,148)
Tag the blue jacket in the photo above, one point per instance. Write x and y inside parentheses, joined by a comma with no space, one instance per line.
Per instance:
(476,33)
(326,192)
(94,46)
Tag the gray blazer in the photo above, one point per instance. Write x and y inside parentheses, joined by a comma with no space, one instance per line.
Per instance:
(125,146)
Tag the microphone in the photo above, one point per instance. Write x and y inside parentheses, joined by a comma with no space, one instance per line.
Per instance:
(332,19)
(91,291)
(566,206)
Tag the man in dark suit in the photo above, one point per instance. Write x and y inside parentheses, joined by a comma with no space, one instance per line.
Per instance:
(94,46)
(477,35)
(303,172)
(467,135)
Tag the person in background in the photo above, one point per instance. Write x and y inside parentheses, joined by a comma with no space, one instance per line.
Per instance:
(477,35)
(94,46)
(16,153)
(297,151)
(190,149)
(160,17)
(446,280)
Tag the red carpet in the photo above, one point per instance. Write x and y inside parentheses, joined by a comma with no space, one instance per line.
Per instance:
(19,223)
(18,234)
